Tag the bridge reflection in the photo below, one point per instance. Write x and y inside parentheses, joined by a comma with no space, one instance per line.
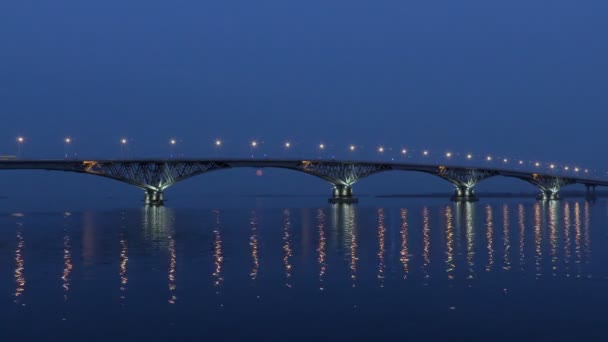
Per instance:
(352,246)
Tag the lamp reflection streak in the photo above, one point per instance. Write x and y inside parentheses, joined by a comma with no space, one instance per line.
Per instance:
(506,262)
(553,236)
(287,247)
(567,242)
(577,238)
(172,265)
(490,237)
(124,260)
(20,266)
(404,248)
(218,256)
(426,241)
(322,246)
(538,252)
(521,218)
(587,234)
(351,225)
(253,241)
(67,266)
(449,232)
(381,250)
(470,232)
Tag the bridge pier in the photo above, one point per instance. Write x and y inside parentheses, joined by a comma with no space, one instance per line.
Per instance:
(548,195)
(464,194)
(342,194)
(154,198)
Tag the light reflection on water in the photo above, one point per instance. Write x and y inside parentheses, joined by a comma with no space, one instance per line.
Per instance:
(352,256)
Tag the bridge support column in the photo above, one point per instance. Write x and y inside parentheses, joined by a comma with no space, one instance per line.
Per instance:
(590,192)
(464,194)
(342,194)
(154,198)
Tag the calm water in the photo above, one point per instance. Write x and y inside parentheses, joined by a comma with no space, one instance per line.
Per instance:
(415,268)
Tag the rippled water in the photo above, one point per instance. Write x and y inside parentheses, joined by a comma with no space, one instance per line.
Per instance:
(408,268)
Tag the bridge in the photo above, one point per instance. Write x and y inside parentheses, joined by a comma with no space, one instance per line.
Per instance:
(155,176)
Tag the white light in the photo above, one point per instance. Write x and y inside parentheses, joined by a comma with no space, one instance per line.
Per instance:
(123,141)
(469,156)
(552,166)
(321,146)
(537,164)
(380,149)
(448,154)
(68,140)
(426,153)
(505,160)
(172,142)
(218,142)
(489,158)
(576,169)
(20,139)
(352,147)
(254,143)
(404,151)
(287,144)
(586,171)
(521,162)
(566,168)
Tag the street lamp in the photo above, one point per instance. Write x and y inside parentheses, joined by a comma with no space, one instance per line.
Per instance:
(425,153)
(469,156)
(352,148)
(287,144)
(448,155)
(67,141)
(20,141)
(123,146)
(380,149)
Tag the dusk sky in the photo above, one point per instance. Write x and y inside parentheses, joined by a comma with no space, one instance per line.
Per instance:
(517,78)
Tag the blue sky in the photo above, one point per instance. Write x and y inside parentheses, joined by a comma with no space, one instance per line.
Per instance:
(517,78)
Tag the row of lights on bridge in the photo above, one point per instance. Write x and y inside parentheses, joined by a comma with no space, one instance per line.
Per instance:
(352,148)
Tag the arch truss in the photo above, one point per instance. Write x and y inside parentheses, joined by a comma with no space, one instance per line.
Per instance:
(549,185)
(464,180)
(154,177)
(342,176)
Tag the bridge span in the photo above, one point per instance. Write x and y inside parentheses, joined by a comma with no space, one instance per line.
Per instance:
(155,176)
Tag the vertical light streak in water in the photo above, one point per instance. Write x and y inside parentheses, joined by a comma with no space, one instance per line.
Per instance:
(506,262)
(322,247)
(587,236)
(470,231)
(253,241)
(124,260)
(577,238)
(538,252)
(426,241)
(172,266)
(404,249)
(521,213)
(352,228)
(287,246)
(218,256)
(567,243)
(381,250)
(490,237)
(19,267)
(449,247)
(67,266)
(553,235)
